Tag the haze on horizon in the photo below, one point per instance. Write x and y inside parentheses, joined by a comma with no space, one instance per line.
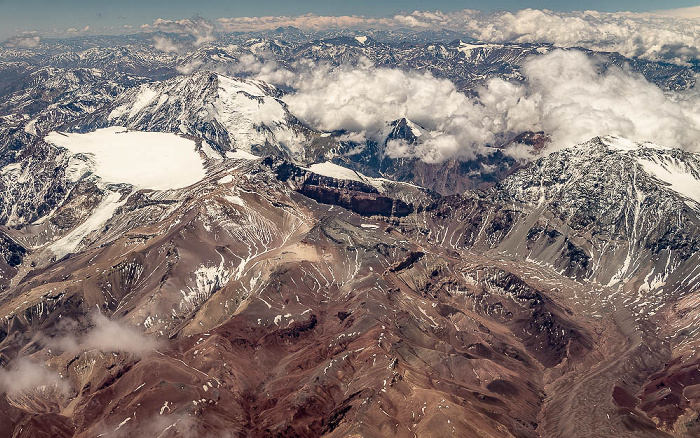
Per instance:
(80,17)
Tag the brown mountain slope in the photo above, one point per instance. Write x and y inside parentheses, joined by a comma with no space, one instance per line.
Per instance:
(276,315)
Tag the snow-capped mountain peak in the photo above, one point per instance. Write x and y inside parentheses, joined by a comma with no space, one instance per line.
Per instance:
(229,113)
(636,203)
(678,169)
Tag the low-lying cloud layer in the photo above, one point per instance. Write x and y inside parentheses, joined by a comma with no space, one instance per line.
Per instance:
(671,36)
(165,44)
(566,94)
(109,335)
(199,29)
(306,22)
(23,41)
(26,375)
(650,36)
(106,335)
(363,99)
(647,36)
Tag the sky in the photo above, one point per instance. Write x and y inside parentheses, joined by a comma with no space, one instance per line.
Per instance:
(111,16)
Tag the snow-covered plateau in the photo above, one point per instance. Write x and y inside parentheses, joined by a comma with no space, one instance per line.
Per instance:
(146,160)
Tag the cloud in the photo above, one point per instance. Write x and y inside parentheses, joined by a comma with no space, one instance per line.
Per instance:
(647,36)
(265,69)
(246,65)
(309,22)
(23,41)
(75,31)
(571,97)
(365,98)
(566,93)
(200,29)
(25,375)
(644,35)
(109,335)
(190,67)
(165,44)
(691,12)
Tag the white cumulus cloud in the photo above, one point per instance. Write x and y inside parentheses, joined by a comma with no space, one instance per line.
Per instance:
(109,335)
(566,94)
(23,41)
(165,44)
(649,36)
(265,69)
(200,29)
(672,36)
(365,98)
(25,375)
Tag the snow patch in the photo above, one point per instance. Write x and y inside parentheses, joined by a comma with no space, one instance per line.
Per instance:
(622,144)
(122,424)
(678,175)
(619,143)
(241,155)
(210,152)
(30,128)
(235,200)
(102,213)
(467,48)
(243,106)
(237,97)
(683,177)
(146,160)
(14,167)
(226,180)
(208,279)
(339,172)
(143,99)
(415,130)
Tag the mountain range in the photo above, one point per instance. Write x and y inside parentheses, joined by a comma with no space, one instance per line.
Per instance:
(182,255)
